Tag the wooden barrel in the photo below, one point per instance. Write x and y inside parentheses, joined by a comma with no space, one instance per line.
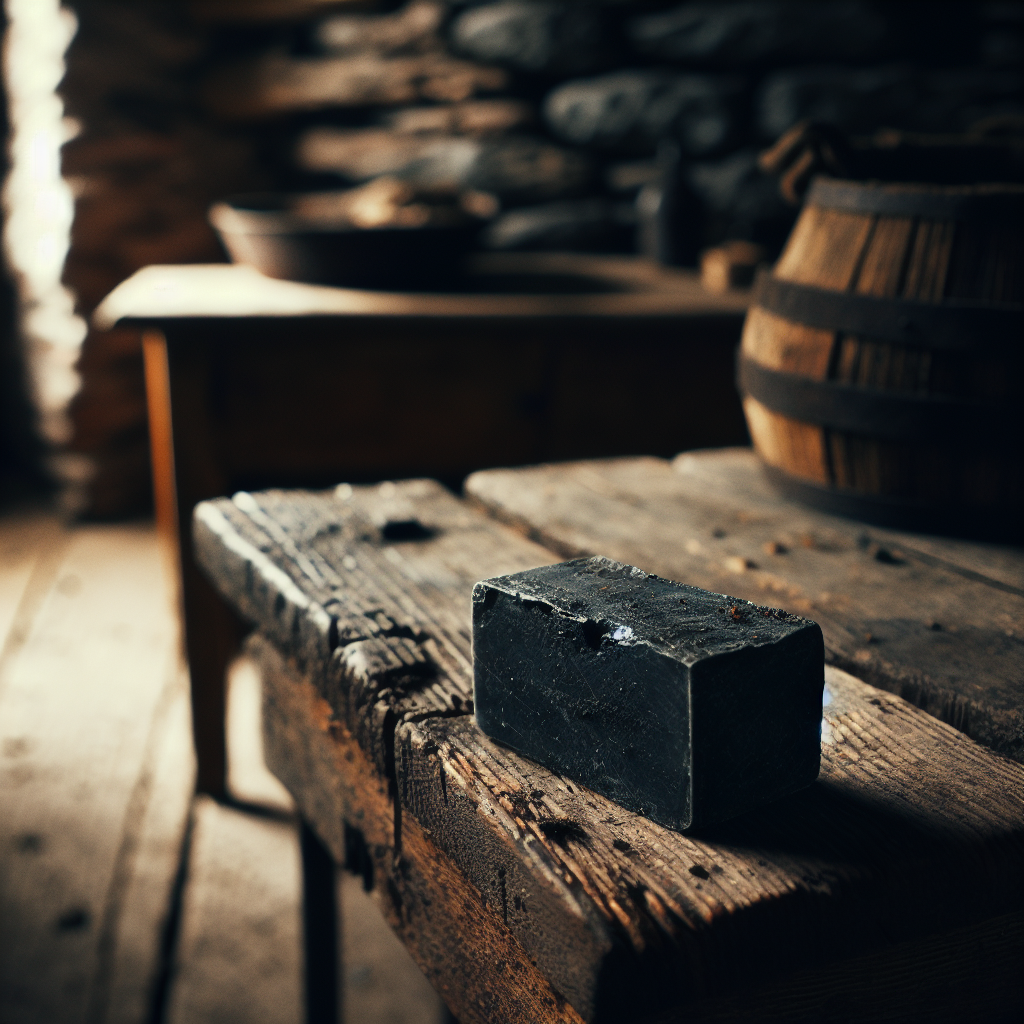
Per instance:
(881,362)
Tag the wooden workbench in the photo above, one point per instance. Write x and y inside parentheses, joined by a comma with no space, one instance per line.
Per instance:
(889,890)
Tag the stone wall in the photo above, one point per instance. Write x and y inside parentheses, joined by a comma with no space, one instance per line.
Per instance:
(570,113)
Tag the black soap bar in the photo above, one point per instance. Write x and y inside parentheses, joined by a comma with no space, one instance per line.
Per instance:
(686,706)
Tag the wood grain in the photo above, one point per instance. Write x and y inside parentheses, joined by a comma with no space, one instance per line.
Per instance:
(818,252)
(916,616)
(788,444)
(367,671)
(465,847)
(791,871)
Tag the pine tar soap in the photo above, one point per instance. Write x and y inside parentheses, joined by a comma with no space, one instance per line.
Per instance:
(686,706)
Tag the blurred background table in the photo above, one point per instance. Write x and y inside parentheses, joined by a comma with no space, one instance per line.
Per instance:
(254,382)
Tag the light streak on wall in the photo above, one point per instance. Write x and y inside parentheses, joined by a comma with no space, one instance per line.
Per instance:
(39,206)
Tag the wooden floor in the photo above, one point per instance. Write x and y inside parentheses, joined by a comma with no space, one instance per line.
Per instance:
(124,898)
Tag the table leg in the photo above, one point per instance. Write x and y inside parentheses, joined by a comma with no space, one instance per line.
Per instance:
(320,926)
(185,471)
(212,639)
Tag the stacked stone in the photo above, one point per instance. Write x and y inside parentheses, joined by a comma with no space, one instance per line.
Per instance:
(566,110)
(144,168)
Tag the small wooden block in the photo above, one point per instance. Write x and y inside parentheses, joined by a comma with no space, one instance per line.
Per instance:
(686,706)
(730,265)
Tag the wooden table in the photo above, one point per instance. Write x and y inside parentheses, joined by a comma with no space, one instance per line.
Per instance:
(254,382)
(890,890)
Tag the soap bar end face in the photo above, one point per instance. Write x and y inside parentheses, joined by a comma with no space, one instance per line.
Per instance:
(757,732)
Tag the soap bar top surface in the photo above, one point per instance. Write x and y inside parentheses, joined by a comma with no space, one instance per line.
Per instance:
(685,705)
(624,605)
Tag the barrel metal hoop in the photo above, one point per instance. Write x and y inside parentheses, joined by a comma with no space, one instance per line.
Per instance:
(1003,202)
(882,414)
(958,520)
(948,326)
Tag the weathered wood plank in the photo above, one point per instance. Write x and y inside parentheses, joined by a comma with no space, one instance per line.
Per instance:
(849,866)
(238,957)
(87,714)
(613,912)
(735,472)
(336,579)
(303,744)
(936,621)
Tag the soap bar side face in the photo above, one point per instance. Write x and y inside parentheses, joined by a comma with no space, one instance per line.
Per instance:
(558,689)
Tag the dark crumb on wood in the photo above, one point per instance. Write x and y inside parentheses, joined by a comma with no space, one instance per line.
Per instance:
(887,557)
(74,920)
(699,872)
(30,842)
(406,529)
(561,830)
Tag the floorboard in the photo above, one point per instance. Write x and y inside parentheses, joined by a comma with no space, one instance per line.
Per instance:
(150,891)
(238,958)
(89,679)
(250,781)
(31,546)
(382,984)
